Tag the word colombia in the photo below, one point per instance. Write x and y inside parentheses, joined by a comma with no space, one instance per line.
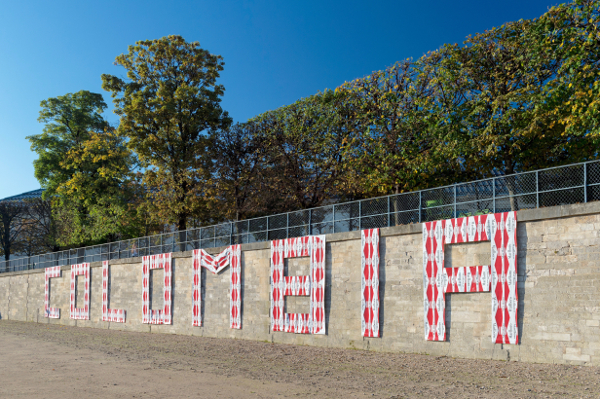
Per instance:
(499,278)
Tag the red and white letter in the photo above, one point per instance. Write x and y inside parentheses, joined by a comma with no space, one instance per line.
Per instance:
(369,283)
(232,256)
(50,272)
(82,269)
(114,315)
(501,230)
(281,286)
(152,262)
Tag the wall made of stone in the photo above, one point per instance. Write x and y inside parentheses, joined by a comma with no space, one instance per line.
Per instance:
(559,298)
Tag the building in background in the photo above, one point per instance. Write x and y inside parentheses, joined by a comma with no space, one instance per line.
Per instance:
(28,195)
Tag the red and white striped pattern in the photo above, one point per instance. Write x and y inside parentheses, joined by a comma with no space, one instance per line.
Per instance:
(466,279)
(438,280)
(297,285)
(277,285)
(235,287)
(369,283)
(82,269)
(317,285)
(297,247)
(231,256)
(505,298)
(197,288)
(112,315)
(50,272)
(300,323)
(152,262)
(297,323)
(213,263)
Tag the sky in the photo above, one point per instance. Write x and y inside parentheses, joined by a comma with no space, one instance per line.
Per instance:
(275,52)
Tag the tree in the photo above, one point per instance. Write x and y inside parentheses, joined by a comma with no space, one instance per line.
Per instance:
(86,169)
(303,144)
(39,232)
(240,164)
(12,214)
(167,105)
(31,239)
(69,121)
(102,184)
(392,148)
(504,123)
(570,33)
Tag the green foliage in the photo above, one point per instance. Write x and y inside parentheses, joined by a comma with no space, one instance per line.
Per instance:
(86,169)
(167,104)
(68,120)
(491,102)
(571,35)
(392,148)
(518,97)
(95,201)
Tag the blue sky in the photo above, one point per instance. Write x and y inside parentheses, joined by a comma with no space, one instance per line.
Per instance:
(274,52)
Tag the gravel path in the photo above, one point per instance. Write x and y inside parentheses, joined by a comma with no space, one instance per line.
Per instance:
(205,367)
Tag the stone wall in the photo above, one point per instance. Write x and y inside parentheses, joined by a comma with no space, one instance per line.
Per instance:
(559,298)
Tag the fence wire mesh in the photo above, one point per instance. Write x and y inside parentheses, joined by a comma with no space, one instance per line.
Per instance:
(563,185)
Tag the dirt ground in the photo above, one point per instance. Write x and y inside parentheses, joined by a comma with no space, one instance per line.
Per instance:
(51,361)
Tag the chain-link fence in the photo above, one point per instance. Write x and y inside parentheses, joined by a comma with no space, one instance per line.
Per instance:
(547,187)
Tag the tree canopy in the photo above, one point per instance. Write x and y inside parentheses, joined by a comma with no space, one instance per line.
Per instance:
(167,105)
(514,98)
(68,122)
(85,168)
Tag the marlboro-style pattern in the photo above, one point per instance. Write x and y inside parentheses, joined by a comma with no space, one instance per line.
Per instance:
(369,283)
(466,279)
(112,315)
(297,285)
(50,272)
(505,298)
(235,287)
(232,256)
(152,262)
(500,230)
(300,323)
(82,269)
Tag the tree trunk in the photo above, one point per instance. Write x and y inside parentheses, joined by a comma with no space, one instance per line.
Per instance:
(7,258)
(181,227)
(394,207)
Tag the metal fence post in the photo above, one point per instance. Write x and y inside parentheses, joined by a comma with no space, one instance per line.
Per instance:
(333,218)
(494,194)
(420,206)
(537,189)
(360,215)
(231,233)
(455,215)
(585,182)
(310,222)
(389,215)
(287,225)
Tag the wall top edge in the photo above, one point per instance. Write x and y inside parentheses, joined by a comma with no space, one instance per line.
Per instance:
(525,215)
